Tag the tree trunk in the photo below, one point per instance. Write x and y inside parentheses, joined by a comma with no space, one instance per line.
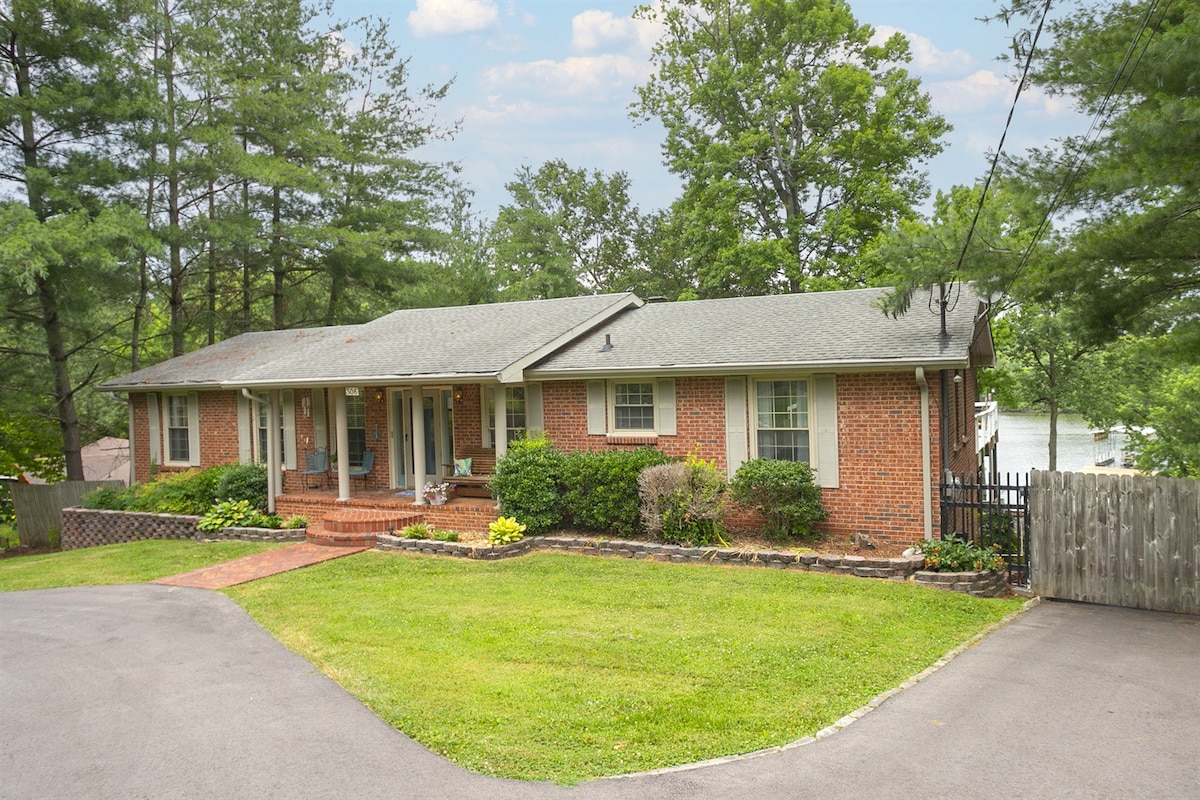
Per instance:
(56,353)
(1053,435)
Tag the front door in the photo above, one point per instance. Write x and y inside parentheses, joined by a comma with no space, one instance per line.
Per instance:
(437,426)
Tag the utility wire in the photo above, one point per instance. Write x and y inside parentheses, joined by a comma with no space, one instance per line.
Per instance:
(1099,121)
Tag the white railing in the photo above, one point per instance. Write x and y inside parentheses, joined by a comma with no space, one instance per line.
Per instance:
(987,423)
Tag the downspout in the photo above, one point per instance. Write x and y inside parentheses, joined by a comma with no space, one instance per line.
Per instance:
(926,463)
(271,487)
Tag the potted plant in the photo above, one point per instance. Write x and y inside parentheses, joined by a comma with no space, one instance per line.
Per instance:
(436,494)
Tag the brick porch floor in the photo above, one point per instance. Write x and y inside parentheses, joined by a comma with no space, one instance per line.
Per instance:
(259,565)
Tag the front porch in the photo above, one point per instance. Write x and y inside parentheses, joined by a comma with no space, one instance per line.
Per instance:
(374,511)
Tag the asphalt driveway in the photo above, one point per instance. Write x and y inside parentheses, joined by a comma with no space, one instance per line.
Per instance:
(160,692)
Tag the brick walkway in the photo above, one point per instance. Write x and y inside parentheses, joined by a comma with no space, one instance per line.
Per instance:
(259,565)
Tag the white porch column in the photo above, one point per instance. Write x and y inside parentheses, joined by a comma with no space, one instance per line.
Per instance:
(418,444)
(342,434)
(501,404)
(274,478)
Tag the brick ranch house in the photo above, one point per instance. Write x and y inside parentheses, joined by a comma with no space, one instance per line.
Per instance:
(882,408)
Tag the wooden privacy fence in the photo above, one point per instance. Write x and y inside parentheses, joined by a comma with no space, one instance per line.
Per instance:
(1116,540)
(39,507)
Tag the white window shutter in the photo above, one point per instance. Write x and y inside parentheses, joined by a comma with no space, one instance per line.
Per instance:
(597,415)
(320,430)
(825,426)
(245,430)
(535,418)
(155,435)
(193,402)
(289,428)
(664,423)
(737,446)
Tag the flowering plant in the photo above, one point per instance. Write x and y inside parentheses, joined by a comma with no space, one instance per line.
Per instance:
(438,491)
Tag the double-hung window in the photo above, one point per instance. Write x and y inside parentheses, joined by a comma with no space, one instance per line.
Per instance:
(633,407)
(178,432)
(782,429)
(516,420)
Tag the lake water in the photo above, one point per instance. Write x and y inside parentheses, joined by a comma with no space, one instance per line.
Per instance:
(1024,443)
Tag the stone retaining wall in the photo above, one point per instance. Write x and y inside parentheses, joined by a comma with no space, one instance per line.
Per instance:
(979,584)
(85,527)
(861,566)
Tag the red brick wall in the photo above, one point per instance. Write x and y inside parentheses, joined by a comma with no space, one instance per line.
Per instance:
(879,450)
(468,417)
(218,431)
(699,420)
(879,434)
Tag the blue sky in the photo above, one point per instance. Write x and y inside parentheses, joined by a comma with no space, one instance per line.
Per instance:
(541,79)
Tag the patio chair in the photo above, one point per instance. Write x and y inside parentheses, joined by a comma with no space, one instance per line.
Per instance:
(315,463)
(367,463)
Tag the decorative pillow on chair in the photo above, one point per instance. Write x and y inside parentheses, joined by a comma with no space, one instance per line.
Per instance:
(462,466)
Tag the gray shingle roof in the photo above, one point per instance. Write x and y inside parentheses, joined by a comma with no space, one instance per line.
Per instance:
(460,341)
(224,361)
(816,330)
(563,337)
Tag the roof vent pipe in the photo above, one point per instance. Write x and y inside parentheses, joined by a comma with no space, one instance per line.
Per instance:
(608,345)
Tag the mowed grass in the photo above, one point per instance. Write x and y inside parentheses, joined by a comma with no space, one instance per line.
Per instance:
(134,562)
(567,668)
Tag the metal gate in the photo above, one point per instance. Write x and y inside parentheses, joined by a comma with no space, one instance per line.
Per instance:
(991,514)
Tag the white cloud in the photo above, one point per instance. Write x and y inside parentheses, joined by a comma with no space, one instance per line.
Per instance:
(926,57)
(606,75)
(594,29)
(451,17)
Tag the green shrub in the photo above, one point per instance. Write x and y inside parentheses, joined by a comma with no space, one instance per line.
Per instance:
(446,536)
(243,482)
(505,530)
(109,498)
(295,523)
(959,555)
(601,488)
(682,502)
(236,514)
(527,483)
(998,528)
(784,492)
(418,530)
(188,492)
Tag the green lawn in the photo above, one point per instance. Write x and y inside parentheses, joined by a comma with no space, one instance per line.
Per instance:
(568,668)
(135,562)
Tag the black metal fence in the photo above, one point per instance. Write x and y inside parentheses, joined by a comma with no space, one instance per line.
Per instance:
(991,514)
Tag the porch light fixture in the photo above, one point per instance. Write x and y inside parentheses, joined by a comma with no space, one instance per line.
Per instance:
(458,395)
(378,395)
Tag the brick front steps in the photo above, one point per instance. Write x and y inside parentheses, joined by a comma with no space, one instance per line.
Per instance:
(358,527)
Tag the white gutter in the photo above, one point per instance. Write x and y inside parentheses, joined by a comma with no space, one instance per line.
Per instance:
(736,368)
(926,466)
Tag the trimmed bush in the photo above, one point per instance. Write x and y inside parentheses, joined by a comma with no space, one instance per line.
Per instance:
(784,492)
(682,502)
(188,492)
(602,488)
(243,482)
(109,498)
(527,484)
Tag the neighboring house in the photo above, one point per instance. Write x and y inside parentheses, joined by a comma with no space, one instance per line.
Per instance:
(106,459)
(882,408)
